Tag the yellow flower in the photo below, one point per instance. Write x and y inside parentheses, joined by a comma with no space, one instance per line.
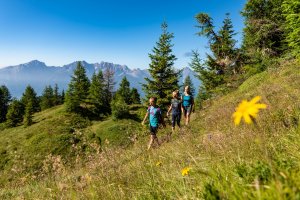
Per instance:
(158,163)
(185,171)
(247,110)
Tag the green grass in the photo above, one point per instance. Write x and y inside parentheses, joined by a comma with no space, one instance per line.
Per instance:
(227,162)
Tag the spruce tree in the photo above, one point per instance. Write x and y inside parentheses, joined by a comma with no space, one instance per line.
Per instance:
(124,90)
(47,98)
(77,92)
(224,60)
(135,96)
(164,78)
(291,10)
(188,82)
(109,85)
(28,114)
(62,96)
(264,29)
(30,96)
(56,96)
(5,99)
(15,113)
(96,93)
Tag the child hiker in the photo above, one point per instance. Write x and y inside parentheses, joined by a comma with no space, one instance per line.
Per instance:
(155,118)
(176,111)
(187,104)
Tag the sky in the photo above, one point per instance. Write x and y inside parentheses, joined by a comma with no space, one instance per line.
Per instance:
(59,32)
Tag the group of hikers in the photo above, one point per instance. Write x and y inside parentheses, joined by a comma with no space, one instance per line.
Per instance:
(179,104)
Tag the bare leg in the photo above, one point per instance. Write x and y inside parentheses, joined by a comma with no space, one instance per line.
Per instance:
(156,139)
(150,142)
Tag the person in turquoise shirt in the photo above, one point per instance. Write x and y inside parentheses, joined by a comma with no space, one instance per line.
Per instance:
(187,104)
(155,119)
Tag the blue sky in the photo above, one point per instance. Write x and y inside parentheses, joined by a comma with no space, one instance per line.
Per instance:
(59,32)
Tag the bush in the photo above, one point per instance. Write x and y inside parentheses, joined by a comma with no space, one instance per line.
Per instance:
(120,110)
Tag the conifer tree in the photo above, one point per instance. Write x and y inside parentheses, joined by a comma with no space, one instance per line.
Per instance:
(135,96)
(63,96)
(124,90)
(28,114)
(5,99)
(164,78)
(188,82)
(30,96)
(224,61)
(77,92)
(15,113)
(109,85)
(291,10)
(264,30)
(96,93)
(47,99)
(56,96)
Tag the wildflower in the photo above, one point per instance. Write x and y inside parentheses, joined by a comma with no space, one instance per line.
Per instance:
(158,163)
(185,171)
(247,110)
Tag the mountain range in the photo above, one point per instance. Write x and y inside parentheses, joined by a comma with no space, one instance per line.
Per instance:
(38,75)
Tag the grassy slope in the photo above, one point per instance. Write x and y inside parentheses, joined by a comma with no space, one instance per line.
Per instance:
(245,162)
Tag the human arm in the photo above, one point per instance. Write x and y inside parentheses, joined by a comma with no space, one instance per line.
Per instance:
(146,116)
(170,108)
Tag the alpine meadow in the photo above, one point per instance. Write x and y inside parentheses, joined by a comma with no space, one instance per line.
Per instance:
(234,136)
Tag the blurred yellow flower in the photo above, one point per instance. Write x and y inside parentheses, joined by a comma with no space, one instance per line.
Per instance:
(185,171)
(247,110)
(158,163)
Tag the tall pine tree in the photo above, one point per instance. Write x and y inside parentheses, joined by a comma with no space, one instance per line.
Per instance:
(224,60)
(30,96)
(264,30)
(5,99)
(47,98)
(15,113)
(124,90)
(56,96)
(109,85)
(77,92)
(28,114)
(164,78)
(135,96)
(96,94)
(291,11)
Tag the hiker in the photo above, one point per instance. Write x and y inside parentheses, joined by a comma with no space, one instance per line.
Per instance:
(155,118)
(187,104)
(176,111)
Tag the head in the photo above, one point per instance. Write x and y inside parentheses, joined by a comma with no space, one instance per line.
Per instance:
(175,94)
(187,89)
(152,101)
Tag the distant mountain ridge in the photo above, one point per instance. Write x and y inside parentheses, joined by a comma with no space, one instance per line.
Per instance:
(38,75)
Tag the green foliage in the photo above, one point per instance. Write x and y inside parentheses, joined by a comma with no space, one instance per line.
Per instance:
(5,99)
(57,97)
(135,96)
(78,89)
(109,85)
(264,33)
(124,90)
(47,98)
(15,113)
(225,60)
(28,114)
(120,109)
(291,10)
(211,192)
(97,95)
(164,78)
(30,96)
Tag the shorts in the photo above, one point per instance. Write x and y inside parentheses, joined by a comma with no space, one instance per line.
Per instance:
(187,109)
(176,119)
(153,129)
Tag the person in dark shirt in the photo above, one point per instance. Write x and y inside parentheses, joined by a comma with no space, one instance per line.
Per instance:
(175,107)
